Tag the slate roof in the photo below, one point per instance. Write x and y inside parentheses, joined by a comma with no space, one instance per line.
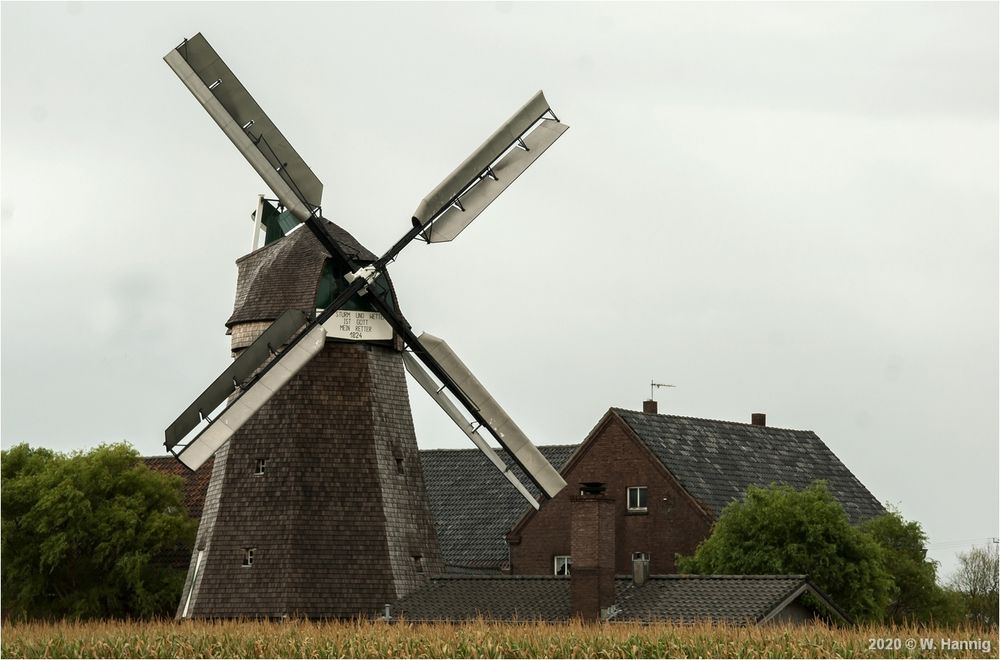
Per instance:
(473,505)
(717,598)
(715,461)
(284,274)
(194,488)
(735,599)
(461,598)
(195,482)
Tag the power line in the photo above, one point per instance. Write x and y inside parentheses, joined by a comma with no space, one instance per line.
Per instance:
(959,543)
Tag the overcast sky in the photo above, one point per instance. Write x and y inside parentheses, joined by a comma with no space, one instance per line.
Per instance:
(789,209)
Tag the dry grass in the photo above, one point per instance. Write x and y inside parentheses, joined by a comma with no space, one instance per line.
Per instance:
(480,639)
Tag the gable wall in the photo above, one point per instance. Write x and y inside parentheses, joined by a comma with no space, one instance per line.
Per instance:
(673,523)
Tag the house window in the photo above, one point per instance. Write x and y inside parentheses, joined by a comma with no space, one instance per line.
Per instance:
(562,564)
(637,498)
(636,556)
(248,557)
(259,469)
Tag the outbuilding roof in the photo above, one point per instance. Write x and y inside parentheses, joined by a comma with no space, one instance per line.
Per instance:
(734,599)
(473,505)
(716,461)
(195,481)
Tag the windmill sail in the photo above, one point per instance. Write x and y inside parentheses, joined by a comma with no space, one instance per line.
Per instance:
(250,360)
(498,422)
(436,391)
(481,177)
(236,112)
(219,430)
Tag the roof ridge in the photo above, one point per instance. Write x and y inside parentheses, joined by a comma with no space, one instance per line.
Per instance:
(483,578)
(295,230)
(707,419)
(469,449)
(678,576)
(475,449)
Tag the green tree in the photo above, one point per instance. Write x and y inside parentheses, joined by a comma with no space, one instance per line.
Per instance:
(780,530)
(83,534)
(977,580)
(917,597)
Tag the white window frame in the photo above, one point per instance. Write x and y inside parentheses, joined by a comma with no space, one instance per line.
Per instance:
(628,498)
(636,556)
(566,561)
(248,554)
(259,466)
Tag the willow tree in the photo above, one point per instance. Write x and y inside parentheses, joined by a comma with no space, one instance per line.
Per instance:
(85,534)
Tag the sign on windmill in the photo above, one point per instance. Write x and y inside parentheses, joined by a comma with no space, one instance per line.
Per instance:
(262,369)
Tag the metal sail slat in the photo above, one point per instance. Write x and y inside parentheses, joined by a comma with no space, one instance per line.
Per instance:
(232,107)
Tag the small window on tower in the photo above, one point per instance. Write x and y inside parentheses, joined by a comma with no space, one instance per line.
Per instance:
(261,463)
(248,557)
(637,498)
(399,465)
(562,564)
(644,556)
(418,563)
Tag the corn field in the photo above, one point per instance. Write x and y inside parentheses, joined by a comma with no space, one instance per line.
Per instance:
(480,639)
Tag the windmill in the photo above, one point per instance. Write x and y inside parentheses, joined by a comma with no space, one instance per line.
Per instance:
(316,504)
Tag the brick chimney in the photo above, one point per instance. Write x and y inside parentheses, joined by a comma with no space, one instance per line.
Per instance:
(649,406)
(592,546)
(758,419)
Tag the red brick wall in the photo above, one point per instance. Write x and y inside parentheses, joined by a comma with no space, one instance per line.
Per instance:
(672,524)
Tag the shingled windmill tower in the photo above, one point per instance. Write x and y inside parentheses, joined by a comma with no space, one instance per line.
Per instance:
(316,505)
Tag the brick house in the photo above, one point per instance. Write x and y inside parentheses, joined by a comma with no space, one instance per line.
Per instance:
(670,477)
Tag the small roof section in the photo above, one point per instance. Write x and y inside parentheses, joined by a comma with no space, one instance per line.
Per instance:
(503,598)
(739,599)
(474,506)
(716,461)
(195,481)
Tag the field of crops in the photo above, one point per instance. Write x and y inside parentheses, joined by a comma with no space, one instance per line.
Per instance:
(482,639)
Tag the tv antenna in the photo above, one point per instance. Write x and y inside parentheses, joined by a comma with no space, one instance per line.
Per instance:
(653,385)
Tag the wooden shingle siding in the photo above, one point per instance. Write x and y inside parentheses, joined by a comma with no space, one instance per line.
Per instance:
(333,524)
